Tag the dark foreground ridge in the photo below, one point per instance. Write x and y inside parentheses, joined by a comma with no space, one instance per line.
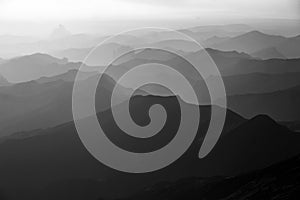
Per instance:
(53,163)
(279,181)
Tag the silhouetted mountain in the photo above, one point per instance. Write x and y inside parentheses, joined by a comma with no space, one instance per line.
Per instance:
(3,81)
(38,59)
(100,56)
(50,45)
(256,139)
(60,32)
(214,40)
(250,42)
(246,66)
(58,164)
(178,45)
(69,76)
(35,66)
(281,105)
(28,67)
(73,54)
(43,103)
(201,33)
(290,48)
(292,125)
(256,83)
(255,41)
(227,54)
(228,27)
(268,53)
(228,62)
(42,99)
(275,182)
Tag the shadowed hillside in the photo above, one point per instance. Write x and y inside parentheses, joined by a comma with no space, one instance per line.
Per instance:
(279,181)
(58,164)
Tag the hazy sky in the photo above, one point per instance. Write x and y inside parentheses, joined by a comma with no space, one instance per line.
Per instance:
(80,9)
(14,12)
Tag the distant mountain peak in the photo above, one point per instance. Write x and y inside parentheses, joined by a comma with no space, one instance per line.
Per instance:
(41,58)
(60,32)
(258,34)
(254,33)
(263,120)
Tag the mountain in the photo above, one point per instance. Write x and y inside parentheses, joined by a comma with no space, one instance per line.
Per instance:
(43,103)
(202,33)
(258,83)
(245,66)
(227,54)
(214,40)
(290,48)
(69,76)
(262,44)
(233,28)
(3,81)
(31,67)
(238,63)
(50,45)
(228,62)
(178,45)
(100,56)
(60,32)
(244,84)
(268,53)
(282,105)
(73,54)
(278,180)
(41,100)
(250,42)
(58,166)
(256,139)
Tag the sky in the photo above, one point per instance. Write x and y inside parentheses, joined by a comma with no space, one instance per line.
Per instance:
(22,13)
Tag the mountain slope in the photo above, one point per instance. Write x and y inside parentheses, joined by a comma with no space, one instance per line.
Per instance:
(73,54)
(250,42)
(58,164)
(281,105)
(31,67)
(290,48)
(256,42)
(3,81)
(43,103)
(275,182)
(258,83)
(268,53)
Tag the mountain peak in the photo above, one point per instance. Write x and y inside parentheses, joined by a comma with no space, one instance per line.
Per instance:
(40,58)
(258,34)
(263,121)
(254,33)
(60,32)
